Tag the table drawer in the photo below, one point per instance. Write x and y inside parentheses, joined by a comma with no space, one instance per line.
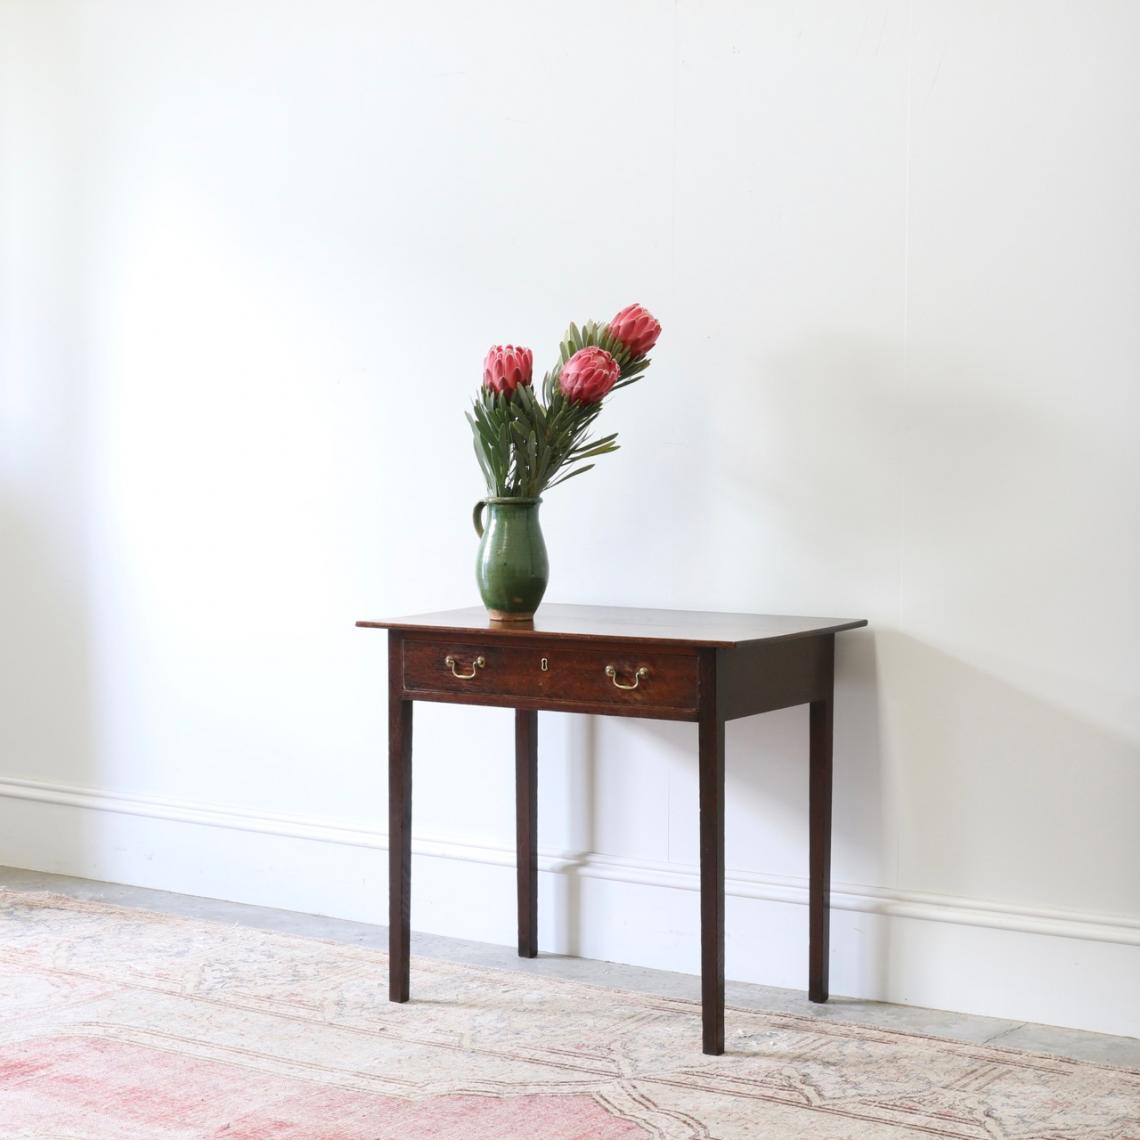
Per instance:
(608,677)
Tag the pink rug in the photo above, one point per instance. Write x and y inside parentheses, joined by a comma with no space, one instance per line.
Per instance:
(125,1024)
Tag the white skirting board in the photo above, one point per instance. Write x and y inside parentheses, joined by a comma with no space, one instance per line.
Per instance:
(1025,964)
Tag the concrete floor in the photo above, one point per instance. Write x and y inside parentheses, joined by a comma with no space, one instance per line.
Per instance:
(1073,1043)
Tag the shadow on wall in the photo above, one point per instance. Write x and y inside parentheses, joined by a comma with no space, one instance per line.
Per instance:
(47,698)
(1003,795)
(949,781)
(581,805)
(766,776)
(46,726)
(954,776)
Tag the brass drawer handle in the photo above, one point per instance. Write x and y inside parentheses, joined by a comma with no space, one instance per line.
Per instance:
(611,672)
(450,662)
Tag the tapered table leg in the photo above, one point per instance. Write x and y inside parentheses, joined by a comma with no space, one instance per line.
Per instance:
(819,857)
(711,761)
(399,828)
(526,828)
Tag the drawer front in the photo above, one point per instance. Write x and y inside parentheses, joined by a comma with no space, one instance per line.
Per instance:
(607,678)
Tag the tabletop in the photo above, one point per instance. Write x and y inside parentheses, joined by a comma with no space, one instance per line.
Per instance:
(621,623)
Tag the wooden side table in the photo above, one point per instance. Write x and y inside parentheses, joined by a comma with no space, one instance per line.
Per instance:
(665,664)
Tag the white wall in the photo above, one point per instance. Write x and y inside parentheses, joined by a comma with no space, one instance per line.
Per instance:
(251,255)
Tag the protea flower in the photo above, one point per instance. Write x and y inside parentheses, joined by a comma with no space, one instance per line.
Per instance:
(506,367)
(637,328)
(588,375)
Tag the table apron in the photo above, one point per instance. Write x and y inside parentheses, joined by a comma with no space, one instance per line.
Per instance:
(549,704)
(770,675)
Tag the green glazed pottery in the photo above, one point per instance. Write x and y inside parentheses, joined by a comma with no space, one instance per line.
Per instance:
(511,566)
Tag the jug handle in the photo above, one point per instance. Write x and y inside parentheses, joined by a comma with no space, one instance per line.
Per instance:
(477,516)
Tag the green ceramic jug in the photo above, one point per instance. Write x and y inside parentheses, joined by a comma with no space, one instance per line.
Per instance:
(511,566)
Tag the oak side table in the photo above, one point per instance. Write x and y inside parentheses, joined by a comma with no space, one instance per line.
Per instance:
(664,664)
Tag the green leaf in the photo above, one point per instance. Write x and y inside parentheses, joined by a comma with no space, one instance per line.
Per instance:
(605,439)
(484,465)
(602,449)
(579,471)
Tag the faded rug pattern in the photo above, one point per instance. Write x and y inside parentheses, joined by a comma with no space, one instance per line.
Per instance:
(125,1024)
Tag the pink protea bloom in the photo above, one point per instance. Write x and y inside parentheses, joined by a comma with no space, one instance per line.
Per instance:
(637,328)
(506,367)
(588,375)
